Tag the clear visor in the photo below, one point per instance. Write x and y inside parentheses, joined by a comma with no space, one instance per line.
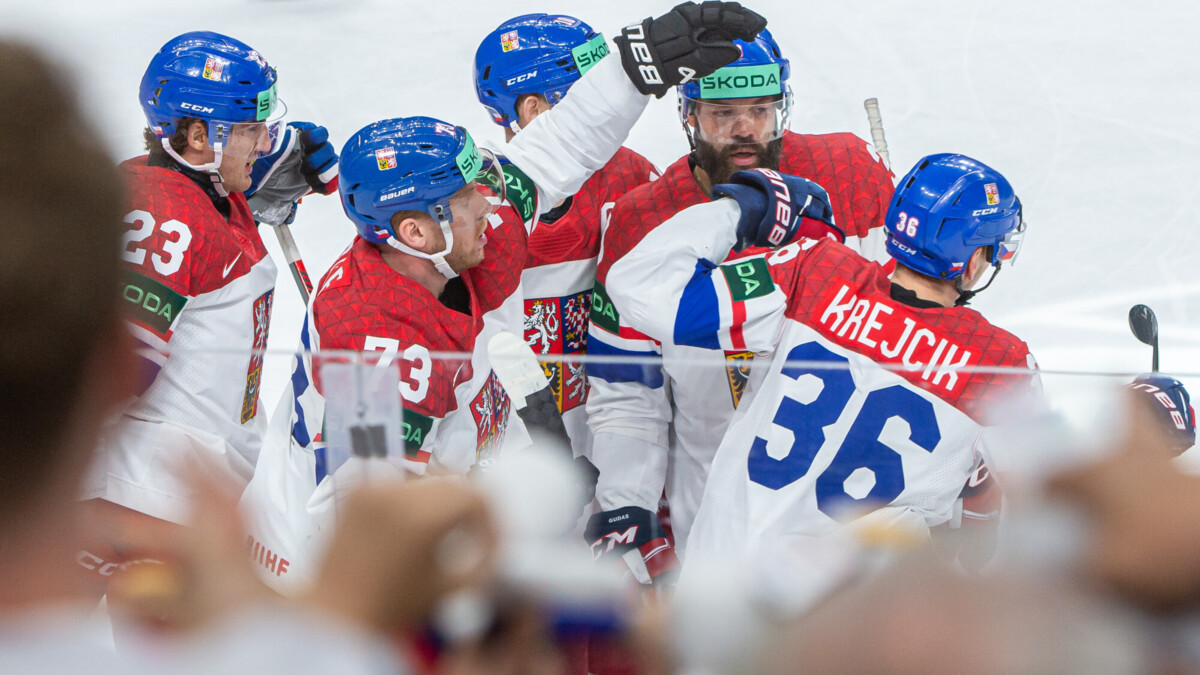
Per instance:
(1010,246)
(489,182)
(264,137)
(734,121)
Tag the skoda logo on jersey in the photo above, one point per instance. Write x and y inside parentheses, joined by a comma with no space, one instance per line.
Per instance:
(196,108)
(397,193)
(520,78)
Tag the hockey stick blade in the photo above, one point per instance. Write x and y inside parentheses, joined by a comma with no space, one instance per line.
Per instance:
(1144,325)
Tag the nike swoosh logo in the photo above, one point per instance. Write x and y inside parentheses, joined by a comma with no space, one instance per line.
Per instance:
(225,272)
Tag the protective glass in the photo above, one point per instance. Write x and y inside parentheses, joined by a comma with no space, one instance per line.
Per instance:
(733,122)
(490,180)
(1010,246)
(271,129)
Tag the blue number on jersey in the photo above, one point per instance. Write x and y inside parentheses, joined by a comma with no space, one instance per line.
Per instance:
(861,448)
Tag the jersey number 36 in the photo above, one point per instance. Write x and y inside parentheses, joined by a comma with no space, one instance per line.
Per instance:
(860,449)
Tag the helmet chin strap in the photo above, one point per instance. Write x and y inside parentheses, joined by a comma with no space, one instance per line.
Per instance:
(438,259)
(965,297)
(212,168)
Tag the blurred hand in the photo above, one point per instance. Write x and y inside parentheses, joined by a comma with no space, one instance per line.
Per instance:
(400,547)
(1144,516)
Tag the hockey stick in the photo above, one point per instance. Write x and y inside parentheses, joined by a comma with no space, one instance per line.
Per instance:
(1144,325)
(872,106)
(292,253)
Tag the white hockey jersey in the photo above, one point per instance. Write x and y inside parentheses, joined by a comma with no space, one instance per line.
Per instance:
(638,411)
(198,289)
(823,433)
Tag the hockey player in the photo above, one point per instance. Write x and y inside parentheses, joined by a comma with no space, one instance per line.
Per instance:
(829,434)
(657,428)
(436,268)
(522,69)
(198,283)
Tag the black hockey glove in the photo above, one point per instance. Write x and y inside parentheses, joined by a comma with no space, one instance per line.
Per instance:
(778,208)
(687,43)
(613,534)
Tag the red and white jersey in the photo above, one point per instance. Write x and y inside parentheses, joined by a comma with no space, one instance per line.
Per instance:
(455,411)
(558,279)
(638,411)
(823,431)
(198,289)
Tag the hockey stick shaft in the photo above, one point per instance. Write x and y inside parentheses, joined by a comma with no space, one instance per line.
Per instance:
(292,253)
(877,138)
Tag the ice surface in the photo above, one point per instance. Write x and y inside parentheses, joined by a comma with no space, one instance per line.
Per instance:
(1087,108)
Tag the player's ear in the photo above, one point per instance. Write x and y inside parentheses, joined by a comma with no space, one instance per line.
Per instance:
(417,232)
(977,264)
(197,136)
(530,106)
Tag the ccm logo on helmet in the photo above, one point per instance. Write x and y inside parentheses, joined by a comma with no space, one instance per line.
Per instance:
(197,108)
(985,212)
(520,78)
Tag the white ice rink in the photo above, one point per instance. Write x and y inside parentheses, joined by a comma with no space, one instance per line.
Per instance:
(1088,109)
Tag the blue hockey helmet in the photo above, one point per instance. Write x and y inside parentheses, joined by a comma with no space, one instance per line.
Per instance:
(214,78)
(412,164)
(1171,406)
(533,54)
(760,71)
(945,208)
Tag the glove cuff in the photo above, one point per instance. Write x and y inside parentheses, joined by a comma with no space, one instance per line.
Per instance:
(638,59)
(752,202)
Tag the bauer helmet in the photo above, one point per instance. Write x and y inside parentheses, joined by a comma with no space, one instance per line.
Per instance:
(761,70)
(1171,405)
(533,54)
(417,164)
(946,207)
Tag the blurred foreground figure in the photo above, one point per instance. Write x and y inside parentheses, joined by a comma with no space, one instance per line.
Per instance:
(921,617)
(66,363)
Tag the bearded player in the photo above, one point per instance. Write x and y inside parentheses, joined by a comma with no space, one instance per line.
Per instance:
(522,69)
(830,435)
(436,268)
(659,427)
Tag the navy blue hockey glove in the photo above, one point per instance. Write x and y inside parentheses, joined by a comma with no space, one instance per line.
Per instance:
(634,535)
(320,166)
(687,43)
(778,208)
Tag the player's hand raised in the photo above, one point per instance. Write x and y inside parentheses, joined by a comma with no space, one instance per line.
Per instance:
(778,208)
(689,42)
